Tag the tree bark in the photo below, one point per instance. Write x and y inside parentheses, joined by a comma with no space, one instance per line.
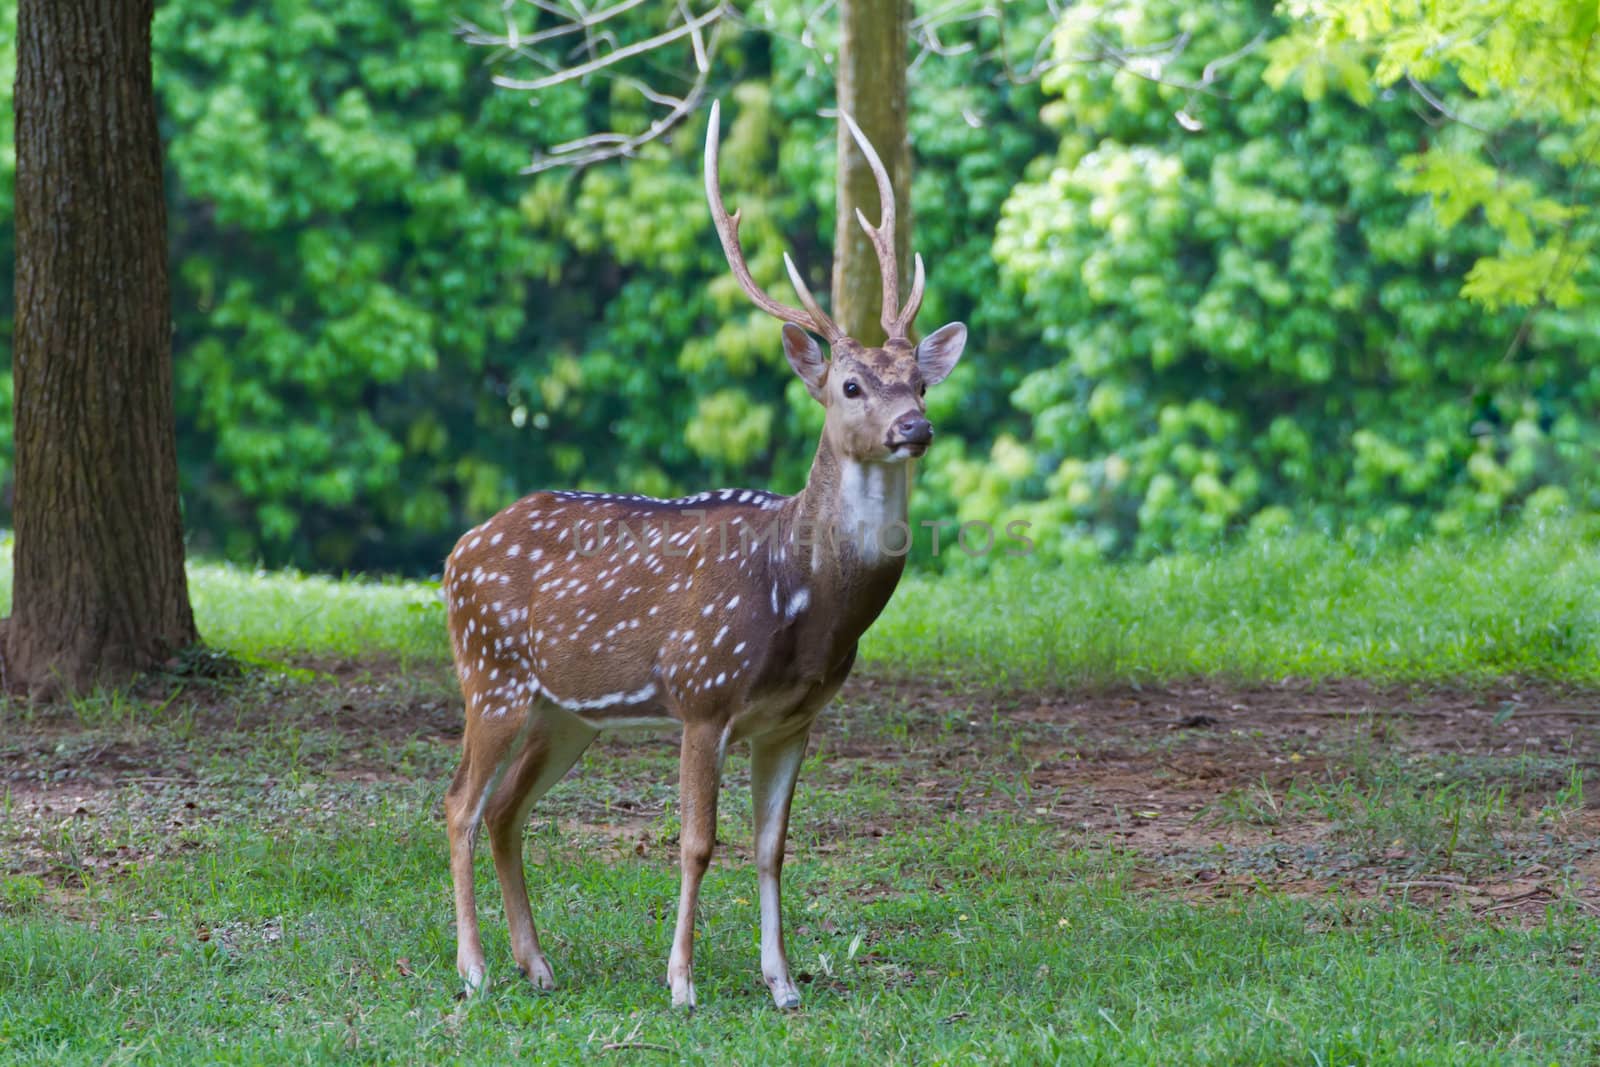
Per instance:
(99,589)
(872,88)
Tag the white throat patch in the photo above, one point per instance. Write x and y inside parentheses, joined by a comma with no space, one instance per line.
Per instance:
(873,498)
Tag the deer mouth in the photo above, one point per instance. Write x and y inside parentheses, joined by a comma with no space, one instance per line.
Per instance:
(909,437)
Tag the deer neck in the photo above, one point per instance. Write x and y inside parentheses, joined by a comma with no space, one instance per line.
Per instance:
(854,516)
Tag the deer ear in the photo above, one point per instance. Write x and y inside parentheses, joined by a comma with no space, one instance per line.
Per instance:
(938,352)
(806,358)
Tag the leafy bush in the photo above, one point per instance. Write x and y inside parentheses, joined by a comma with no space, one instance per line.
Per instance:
(385,332)
(1252,322)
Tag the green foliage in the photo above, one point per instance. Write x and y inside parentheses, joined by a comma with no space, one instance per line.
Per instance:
(352,275)
(1254,321)
(1513,69)
(385,332)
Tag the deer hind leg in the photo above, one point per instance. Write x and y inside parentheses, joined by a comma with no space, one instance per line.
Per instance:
(774,766)
(700,773)
(487,747)
(554,744)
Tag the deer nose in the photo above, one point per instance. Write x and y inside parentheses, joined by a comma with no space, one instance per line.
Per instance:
(913,429)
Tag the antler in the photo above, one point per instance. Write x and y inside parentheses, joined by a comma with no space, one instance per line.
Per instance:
(812,318)
(895,323)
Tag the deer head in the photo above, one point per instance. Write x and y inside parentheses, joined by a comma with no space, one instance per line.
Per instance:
(874,397)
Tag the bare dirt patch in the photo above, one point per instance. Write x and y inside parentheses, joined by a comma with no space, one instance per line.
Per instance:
(1451,798)
(1471,798)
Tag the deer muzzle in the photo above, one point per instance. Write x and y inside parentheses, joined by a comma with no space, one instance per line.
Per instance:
(911,432)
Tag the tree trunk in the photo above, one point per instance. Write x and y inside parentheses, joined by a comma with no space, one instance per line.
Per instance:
(99,589)
(872,88)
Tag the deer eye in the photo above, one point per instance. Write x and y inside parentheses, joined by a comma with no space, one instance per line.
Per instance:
(922,390)
(851,389)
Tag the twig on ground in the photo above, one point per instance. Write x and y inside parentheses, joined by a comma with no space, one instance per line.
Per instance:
(1436,883)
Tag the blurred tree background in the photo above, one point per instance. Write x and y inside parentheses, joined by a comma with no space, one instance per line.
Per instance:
(1226,268)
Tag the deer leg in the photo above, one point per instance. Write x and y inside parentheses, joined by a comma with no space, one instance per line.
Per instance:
(774,766)
(485,751)
(700,773)
(554,744)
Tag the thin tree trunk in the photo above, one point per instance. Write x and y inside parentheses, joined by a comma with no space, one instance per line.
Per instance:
(872,88)
(99,587)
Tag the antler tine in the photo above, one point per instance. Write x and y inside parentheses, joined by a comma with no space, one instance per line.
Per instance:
(908,314)
(728,231)
(895,321)
(812,307)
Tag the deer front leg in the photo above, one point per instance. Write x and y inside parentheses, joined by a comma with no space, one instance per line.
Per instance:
(774,766)
(700,773)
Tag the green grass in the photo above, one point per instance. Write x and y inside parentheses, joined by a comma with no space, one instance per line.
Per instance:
(1425,813)
(279,614)
(997,941)
(264,878)
(275,614)
(1518,603)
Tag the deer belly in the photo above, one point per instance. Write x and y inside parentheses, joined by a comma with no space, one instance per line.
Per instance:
(609,705)
(597,673)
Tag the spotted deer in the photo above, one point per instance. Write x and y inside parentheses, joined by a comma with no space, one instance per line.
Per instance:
(732,615)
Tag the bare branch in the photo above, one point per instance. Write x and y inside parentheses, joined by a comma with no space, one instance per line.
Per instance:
(702,62)
(617,56)
(1150,62)
(925,31)
(1440,106)
(595,51)
(1216,66)
(807,37)
(655,96)
(510,40)
(599,147)
(946,32)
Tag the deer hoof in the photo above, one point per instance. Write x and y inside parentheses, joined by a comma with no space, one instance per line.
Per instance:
(474,980)
(784,994)
(538,972)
